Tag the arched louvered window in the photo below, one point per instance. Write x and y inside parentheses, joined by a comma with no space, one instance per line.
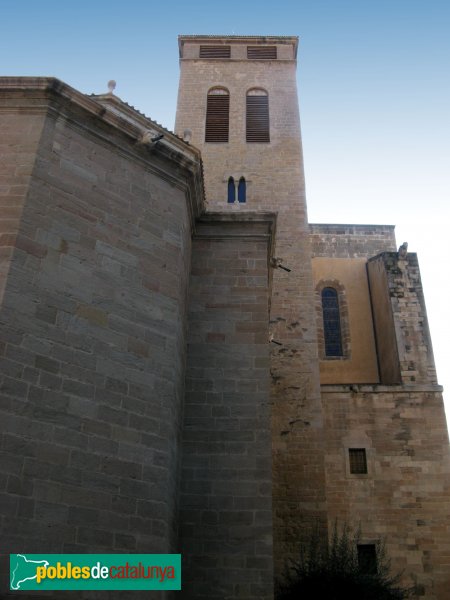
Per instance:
(331,322)
(257,121)
(217,115)
(242,193)
(231,191)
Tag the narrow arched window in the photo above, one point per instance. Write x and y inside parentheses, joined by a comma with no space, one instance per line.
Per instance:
(331,322)
(231,190)
(242,190)
(257,116)
(217,115)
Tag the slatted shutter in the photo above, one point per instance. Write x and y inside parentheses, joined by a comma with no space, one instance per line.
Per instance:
(217,115)
(215,51)
(262,52)
(258,127)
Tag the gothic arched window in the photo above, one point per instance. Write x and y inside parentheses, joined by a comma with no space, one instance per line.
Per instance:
(331,322)
(242,191)
(231,190)
(217,115)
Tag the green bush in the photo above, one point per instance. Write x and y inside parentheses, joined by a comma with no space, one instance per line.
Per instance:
(333,572)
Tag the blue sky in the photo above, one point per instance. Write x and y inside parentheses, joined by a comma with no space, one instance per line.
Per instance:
(374,92)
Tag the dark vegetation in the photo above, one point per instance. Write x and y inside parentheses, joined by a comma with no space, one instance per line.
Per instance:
(337,571)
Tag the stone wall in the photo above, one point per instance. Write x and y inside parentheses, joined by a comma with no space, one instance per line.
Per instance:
(93,323)
(403,297)
(351,241)
(404,497)
(226,486)
(275,182)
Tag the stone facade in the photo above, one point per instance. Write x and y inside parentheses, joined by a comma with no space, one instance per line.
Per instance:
(275,182)
(165,384)
(226,484)
(97,225)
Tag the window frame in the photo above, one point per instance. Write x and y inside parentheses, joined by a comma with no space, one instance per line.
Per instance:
(257,116)
(242,190)
(216,123)
(344,320)
(357,453)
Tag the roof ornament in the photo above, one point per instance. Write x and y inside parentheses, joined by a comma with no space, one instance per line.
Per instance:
(111,86)
(403,251)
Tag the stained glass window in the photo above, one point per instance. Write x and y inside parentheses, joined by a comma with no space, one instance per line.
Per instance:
(331,322)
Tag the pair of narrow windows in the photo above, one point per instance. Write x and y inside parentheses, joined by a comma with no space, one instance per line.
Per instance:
(218,116)
(241,190)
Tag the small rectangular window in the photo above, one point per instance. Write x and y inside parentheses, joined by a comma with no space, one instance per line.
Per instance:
(262,52)
(367,558)
(358,461)
(215,51)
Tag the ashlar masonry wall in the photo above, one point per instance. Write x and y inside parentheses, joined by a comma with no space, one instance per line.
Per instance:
(275,182)
(93,324)
(404,497)
(226,491)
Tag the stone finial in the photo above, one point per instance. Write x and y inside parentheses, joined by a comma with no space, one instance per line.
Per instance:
(187,135)
(403,250)
(111,86)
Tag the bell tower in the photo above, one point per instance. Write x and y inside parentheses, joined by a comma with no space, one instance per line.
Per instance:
(238,104)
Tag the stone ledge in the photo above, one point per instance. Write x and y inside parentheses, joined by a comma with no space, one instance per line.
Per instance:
(379,388)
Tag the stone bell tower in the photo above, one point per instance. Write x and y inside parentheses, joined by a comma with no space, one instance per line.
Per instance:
(238,104)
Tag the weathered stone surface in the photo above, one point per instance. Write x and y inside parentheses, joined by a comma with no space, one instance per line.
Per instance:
(226,483)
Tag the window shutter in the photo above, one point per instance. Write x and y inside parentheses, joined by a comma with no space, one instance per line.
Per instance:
(215,51)
(257,118)
(262,52)
(217,117)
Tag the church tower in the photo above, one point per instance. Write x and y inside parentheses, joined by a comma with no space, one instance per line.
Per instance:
(238,104)
(358,431)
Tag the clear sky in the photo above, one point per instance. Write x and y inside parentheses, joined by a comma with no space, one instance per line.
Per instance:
(374,98)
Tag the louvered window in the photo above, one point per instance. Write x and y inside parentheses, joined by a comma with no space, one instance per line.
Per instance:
(262,52)
(258,129)
(215,51)
(217,115)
